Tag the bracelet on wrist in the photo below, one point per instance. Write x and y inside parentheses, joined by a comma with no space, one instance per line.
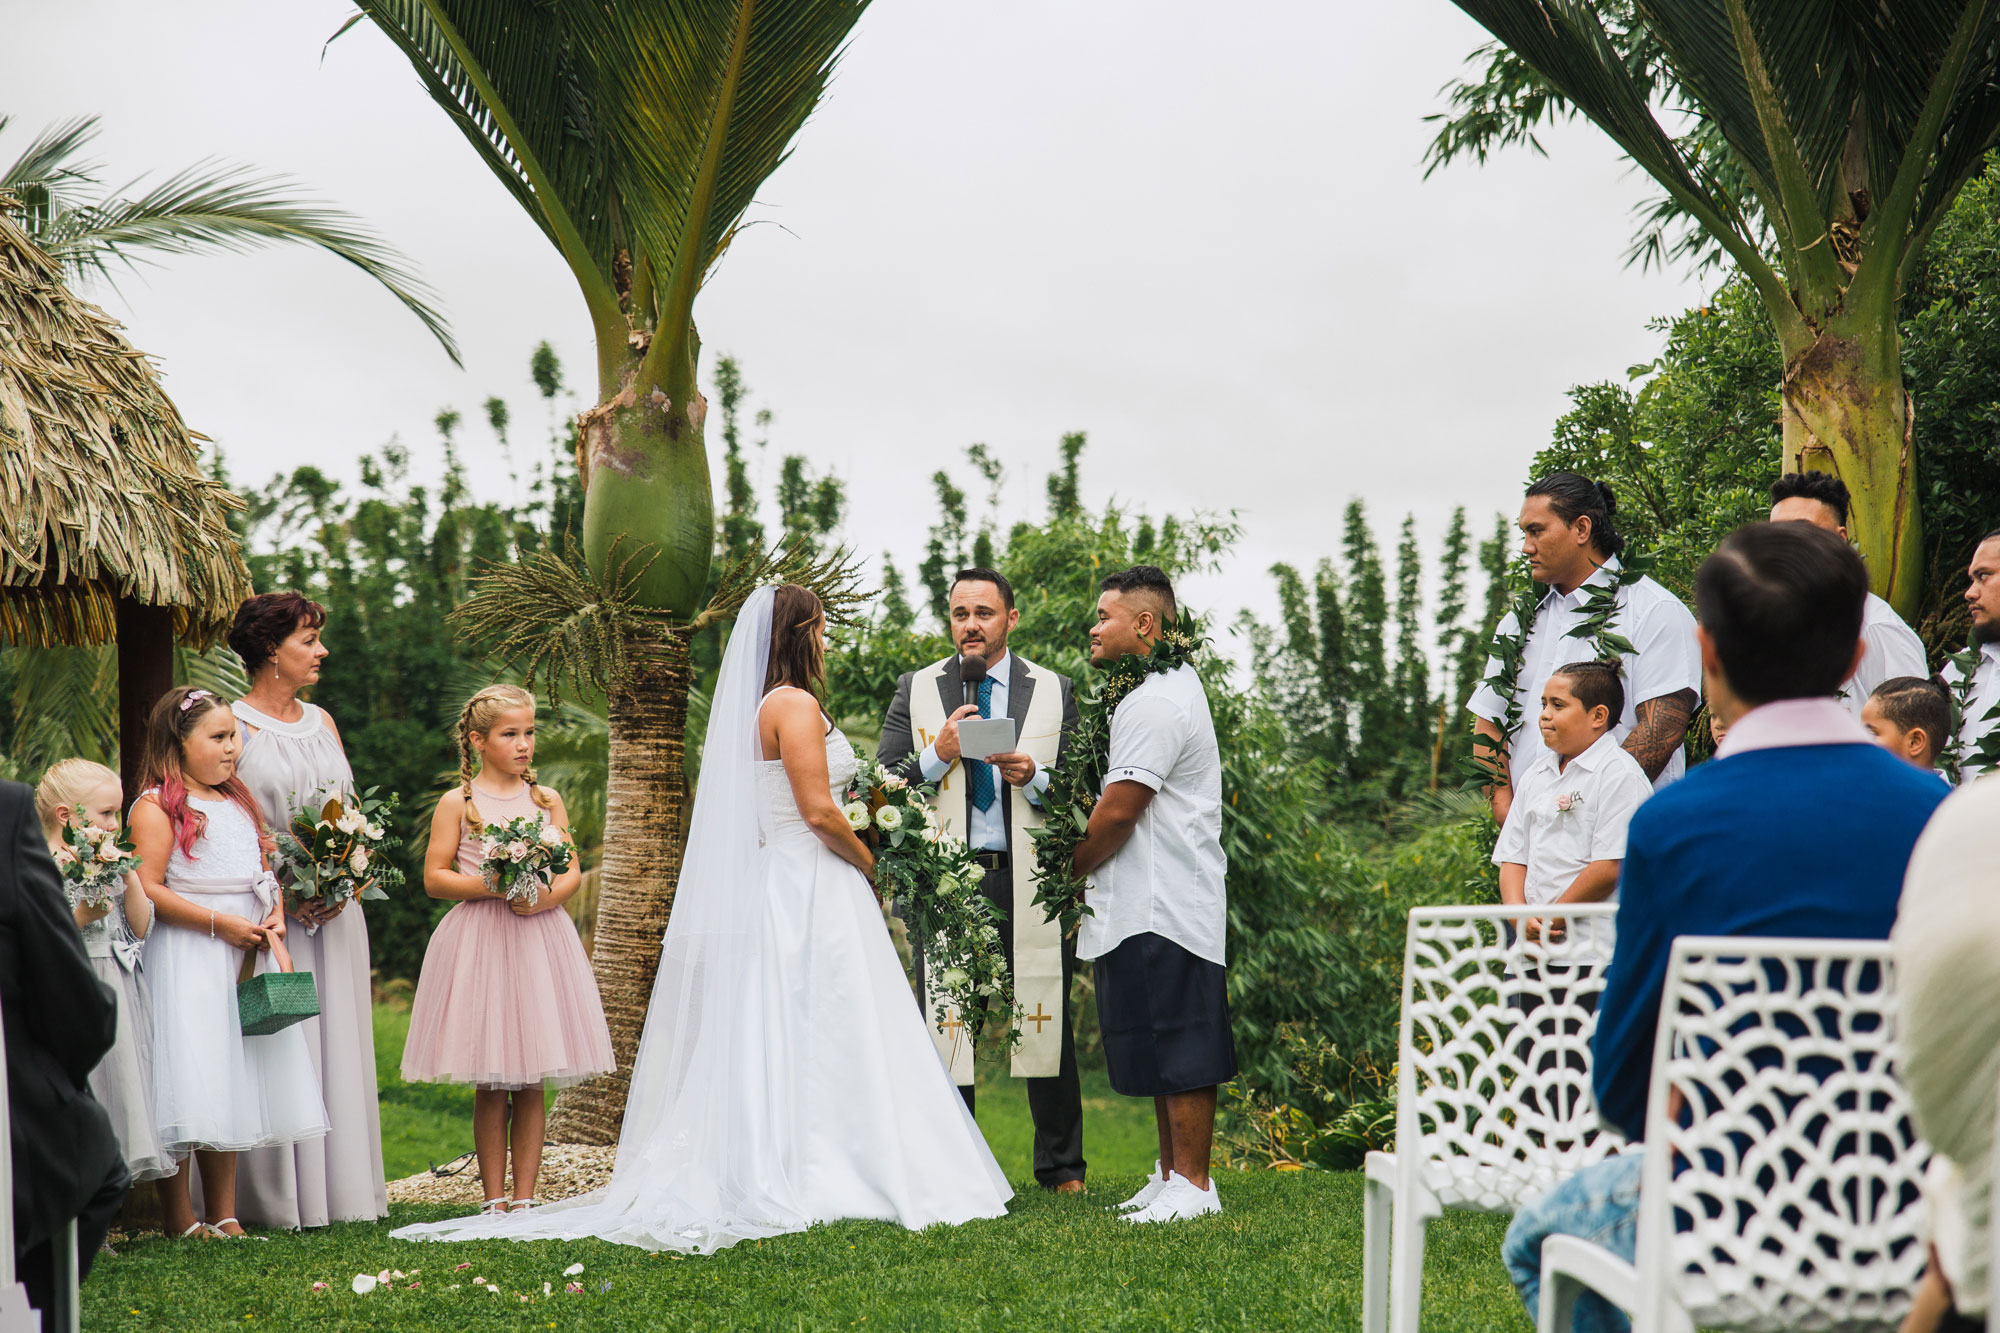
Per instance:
(211,923)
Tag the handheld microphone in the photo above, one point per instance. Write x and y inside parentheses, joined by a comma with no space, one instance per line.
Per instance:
(972,670)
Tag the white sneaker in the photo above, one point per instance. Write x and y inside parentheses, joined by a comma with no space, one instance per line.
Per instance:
(1178,1201)
(1154,1184)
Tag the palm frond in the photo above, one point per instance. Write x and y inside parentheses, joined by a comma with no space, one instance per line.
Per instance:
(562,627)
(833,576)
(216,669)
(46,176)
(704,100)
(65,705)
(216,206)
(509,76)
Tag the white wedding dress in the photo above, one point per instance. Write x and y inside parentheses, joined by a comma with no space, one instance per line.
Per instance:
(785,1076)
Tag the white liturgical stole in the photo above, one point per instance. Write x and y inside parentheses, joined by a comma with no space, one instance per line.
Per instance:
(1038,971)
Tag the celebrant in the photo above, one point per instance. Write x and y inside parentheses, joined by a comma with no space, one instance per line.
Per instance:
(992,802)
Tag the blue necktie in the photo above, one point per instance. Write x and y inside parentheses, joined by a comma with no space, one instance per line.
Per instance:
(982,773)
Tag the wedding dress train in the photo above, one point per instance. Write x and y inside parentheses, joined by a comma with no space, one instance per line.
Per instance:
(785,1076)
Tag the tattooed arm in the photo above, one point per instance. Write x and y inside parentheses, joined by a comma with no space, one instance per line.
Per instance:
(1662,726)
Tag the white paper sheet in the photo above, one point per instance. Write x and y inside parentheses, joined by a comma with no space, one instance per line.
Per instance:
(984,737)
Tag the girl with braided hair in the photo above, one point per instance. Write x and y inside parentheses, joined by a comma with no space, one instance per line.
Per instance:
(506,1000)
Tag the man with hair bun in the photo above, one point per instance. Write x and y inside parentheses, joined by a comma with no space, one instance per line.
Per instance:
(1892,648)
(1572,546)
(1800,827)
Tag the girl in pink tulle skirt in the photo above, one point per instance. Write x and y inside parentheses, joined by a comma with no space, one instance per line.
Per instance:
(506,1001)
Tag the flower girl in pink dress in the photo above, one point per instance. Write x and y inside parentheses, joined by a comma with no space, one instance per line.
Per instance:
(506,1001)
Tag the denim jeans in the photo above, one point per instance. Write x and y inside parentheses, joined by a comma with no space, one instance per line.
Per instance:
(1600,1204)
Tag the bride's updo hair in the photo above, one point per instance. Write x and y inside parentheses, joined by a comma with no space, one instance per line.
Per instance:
(797,657)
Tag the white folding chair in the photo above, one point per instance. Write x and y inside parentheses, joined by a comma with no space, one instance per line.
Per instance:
(1786,1192)
(1493,1103)
(16,1314)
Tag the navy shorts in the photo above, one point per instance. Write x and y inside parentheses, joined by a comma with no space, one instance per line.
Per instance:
(1164,1015)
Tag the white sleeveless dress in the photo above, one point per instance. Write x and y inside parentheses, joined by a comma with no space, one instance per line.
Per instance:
(213,1087)
(338,1178)
(832,1104)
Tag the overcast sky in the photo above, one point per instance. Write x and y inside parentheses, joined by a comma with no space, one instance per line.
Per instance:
(1200,233)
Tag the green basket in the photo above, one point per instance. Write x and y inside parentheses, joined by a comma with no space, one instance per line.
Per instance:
(273,1001)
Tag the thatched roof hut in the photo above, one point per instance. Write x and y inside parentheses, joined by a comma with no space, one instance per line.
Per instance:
(108,528)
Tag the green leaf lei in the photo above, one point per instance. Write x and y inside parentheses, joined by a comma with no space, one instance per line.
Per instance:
(1985,751)
(1074,786)
(1510,651)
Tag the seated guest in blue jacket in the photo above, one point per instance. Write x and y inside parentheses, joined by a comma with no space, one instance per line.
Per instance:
(1800,826)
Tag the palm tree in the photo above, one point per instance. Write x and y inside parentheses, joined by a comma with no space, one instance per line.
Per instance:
(211,206)
(1828,141)
(635,135)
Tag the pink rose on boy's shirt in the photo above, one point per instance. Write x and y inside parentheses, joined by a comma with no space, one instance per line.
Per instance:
(1568,801)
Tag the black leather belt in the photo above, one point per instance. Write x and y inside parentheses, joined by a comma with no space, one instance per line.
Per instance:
(992,860)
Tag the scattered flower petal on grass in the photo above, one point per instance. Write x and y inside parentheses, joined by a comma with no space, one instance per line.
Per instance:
(547,1289)
(319,1286)
(574,1289)
(462,1267)
(572,1270)
(365,1283)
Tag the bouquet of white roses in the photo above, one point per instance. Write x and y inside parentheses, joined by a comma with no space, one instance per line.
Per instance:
(524,856)
(337,851)
(94,864)
(937,878)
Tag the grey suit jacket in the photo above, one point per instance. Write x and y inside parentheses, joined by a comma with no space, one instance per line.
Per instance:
(901,755)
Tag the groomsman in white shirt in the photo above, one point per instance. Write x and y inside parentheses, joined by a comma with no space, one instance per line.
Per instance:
(1153,856)
(1890,648)
(1573,545)
(1982,707)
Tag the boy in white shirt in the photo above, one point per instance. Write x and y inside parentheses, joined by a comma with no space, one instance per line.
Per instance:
(1565,831)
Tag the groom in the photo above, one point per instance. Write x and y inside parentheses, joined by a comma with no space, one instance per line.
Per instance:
(992,805)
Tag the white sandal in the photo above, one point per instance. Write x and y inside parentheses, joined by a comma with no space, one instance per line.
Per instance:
(199,1226)
(215,1229)
(496,1207)
(524,1205)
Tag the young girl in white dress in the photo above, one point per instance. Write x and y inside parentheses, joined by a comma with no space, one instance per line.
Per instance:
(78,792)
(203,850)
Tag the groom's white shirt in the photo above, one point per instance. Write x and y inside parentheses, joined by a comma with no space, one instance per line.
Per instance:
(988,827)
(1168,877)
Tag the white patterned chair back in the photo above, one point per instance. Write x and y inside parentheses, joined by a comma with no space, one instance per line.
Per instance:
(1494,1100)
(1787,1195)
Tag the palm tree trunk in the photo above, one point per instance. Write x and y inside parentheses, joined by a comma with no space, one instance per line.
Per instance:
(643,835)
(1846,412)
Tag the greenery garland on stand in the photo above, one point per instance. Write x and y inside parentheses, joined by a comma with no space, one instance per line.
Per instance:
(1510,651)
(1074,786)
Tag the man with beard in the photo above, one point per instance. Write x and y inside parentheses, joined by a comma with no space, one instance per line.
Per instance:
(1891,648)
(1982,598)
(992,804)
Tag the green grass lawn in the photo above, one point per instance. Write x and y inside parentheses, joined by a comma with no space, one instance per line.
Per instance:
(1285,1254)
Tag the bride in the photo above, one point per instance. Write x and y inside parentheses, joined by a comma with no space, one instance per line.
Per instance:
(784,1077)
